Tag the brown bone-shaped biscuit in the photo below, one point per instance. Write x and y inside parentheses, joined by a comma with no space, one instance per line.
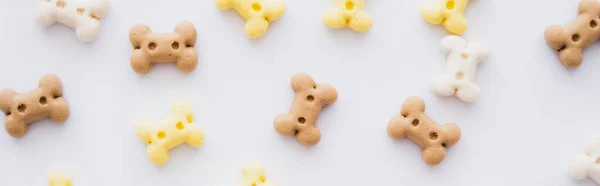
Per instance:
(177,47)
(569,41)
(414,124)
(22,109)
(309,100)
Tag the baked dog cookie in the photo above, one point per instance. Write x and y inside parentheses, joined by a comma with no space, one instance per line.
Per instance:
(569,41)
(448,13)
(348,13)
(459,76)
(257,13)
(177,47)
(177,128)
(587,164)
(310,98)
(22,109)
(83,15)
(59,178)
(254,175)
(414,124)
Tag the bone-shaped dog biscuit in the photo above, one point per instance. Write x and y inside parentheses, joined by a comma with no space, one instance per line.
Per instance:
(348,13)
(83,15)
(257,13)
(459,76)
(177,128)
(587,164)
(448,13)
(59,178)
(254,175)
(175,47)
(569,41)
(309,100)
(24,108)
(414,124)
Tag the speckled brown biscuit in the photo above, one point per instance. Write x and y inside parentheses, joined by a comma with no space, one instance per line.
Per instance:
(22,109)
(177,47)
(414,124)
(309,100)
(569,41)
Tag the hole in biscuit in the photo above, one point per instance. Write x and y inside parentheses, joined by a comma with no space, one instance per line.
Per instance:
(189,45)
(263,179)
(151,46)
(464,56)
(179,126)
(80,11)
(137,47)
(7,113)
(433,135)
(593,24)
(175,45)
(444,145)
(296,132)
(301,120)
(189,119)
(562,48)
(415,122)
(450,4)
(314,86)
(161,135)
(60,4)
(55,96)
(149,142)
(256,7)
(93,16)
(575,37)
(459,75)
(310,98)
(43,100)
(21,107)
(349,5)
(253,183)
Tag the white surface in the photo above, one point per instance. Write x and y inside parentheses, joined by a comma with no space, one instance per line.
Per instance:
(533,118)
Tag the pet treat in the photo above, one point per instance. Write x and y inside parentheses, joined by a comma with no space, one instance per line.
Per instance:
(459,76)
(177,128)
(254,175)
(448,13)
(59,178)
(257,13)
(83,15)
(587,163)
(24,108)
(569,41)
(177,47)
(310,98)
(348,13)
(414,124)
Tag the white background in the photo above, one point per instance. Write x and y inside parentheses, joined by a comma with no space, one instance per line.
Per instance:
(533,117)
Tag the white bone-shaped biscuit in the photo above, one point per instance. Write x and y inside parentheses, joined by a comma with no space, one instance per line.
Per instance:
(458,77)
(177,128)
(586,164)
(83,15)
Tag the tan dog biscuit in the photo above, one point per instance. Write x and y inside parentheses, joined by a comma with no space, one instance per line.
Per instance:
(414,124)
(22,109)
(569,41)
(309,100)
(175,47)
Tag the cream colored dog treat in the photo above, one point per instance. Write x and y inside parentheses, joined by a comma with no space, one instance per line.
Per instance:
(257,13)
(348,13)
(175,47)
(587,164)
(569,41)
(59,178)
(459,76)
(310,98)
(177,128)
(414,124)
(83,15)
(22,109)
(448,13)
(254,175)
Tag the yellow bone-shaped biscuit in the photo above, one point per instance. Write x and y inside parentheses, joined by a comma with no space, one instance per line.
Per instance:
(257,13)
(177,128)
(448,13)
(348,13)
(254,175)
(59,178)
